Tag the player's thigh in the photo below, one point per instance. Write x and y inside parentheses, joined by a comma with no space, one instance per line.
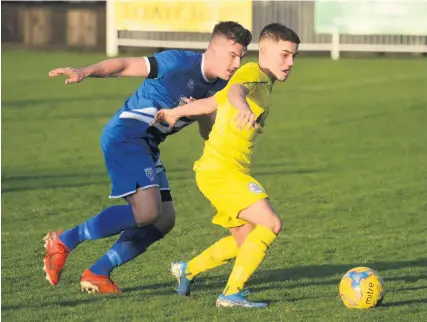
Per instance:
(216,188)
(146,205)
(166,220)
(240,233)
(262,213)
(130,165)
(229,193)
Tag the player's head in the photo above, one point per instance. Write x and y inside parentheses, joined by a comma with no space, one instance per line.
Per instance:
(278,46)
(228,44)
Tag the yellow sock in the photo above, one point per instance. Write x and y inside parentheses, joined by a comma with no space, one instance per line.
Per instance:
(216,255)
(249,257)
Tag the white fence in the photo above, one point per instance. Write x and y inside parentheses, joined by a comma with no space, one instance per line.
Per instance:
(298,15)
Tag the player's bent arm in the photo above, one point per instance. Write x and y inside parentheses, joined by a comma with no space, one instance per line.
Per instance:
(119,67)
(203,106)
(193,109)
(237,97)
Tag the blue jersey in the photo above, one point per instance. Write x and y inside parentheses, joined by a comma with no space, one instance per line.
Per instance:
(177,74)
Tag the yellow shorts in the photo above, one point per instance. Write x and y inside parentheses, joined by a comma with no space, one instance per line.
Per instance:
(229,193)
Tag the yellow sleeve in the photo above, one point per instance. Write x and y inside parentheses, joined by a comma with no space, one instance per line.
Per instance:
(247,75)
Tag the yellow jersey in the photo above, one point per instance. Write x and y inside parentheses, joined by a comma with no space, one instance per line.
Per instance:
(228,147)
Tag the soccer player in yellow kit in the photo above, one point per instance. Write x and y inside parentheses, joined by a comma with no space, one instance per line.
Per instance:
(223,171)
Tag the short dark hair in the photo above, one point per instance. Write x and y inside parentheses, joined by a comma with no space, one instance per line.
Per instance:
(232,31)
(277,32)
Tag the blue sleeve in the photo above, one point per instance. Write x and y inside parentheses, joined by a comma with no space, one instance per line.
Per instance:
(169,60)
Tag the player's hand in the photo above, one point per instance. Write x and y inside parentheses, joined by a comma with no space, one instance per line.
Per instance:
(74,75)
(166,116)
(245,117)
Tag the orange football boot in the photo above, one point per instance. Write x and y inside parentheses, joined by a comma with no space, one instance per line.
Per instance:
(103,284)
(55,258)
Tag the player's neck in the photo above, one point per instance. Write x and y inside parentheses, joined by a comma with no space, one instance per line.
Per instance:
(266,71)
(207,67)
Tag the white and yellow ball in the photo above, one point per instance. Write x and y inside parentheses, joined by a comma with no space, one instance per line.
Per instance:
(362,288)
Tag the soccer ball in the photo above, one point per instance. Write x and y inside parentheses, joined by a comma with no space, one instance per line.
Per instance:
(362,288)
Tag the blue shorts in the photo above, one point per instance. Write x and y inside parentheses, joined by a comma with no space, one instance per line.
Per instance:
(130,162)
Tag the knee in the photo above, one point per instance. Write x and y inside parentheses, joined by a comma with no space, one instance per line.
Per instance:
(168,226)
(275,224)
(147,214)
(166,222)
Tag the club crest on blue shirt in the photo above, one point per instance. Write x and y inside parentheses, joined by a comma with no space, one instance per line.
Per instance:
(190,84)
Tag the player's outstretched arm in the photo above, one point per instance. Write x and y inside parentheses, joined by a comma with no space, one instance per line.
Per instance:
(114,67)
(237,97)
(195,108)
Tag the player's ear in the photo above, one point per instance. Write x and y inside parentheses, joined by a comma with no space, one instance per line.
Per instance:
(262,48)
(213,44)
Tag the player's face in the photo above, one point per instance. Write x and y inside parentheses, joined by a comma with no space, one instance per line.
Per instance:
(280,58)
(228,56)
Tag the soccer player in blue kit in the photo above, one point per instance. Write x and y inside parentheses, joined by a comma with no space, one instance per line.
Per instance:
(131,150)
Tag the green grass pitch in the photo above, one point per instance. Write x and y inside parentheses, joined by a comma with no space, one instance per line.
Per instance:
(343,156)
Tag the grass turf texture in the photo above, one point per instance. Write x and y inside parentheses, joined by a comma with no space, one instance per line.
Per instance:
(343,157)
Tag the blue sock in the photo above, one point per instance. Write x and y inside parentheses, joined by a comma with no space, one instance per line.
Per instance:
(108,222)
(130,244)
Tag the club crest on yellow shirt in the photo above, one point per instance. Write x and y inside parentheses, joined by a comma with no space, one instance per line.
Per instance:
(255,187)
